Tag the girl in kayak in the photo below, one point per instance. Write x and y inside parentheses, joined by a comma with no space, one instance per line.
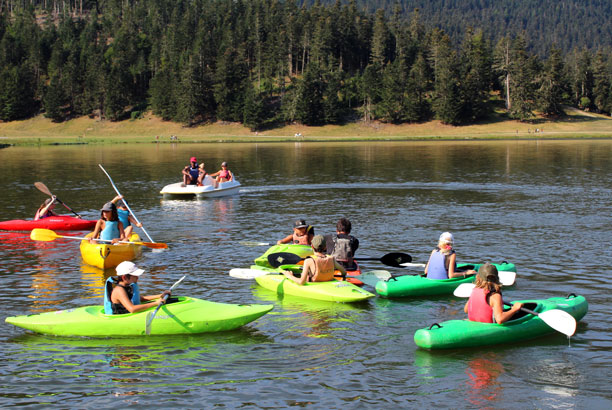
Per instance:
(485,303)
(223,175)
(443,260)
(46,209)
(108,227)
(319,267)
(125,296)
(302,234)
(125,217)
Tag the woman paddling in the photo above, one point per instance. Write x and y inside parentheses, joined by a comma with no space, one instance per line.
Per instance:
(319,267)
(485,303)
(125,296)
(108,227)
(46,209)
(443,260)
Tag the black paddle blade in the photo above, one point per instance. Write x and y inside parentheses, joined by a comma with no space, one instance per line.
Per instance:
(283,258)
(396,259)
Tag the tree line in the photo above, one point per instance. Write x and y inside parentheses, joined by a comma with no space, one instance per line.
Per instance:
(267,62)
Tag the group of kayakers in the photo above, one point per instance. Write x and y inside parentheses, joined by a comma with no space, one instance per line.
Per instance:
(194,174)
(336,252)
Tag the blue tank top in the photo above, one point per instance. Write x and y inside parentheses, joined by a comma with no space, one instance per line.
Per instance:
(194,172)
(437,266)
(110,231)
(108,289)
(124,217)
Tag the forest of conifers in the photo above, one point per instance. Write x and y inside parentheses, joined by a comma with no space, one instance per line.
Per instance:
(269,62)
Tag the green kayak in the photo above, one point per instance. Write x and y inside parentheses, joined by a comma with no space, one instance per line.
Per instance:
(185,316)
(301,250)
(524,326)
(417,285)
(334,291)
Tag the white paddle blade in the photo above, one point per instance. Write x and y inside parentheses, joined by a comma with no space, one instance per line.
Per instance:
(252,243)
(464,290)
(506,278)
(559,320)
(413,265)
(379,274)
(247,273)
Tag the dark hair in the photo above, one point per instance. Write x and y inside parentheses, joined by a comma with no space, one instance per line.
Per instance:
(343,225)
(114,215)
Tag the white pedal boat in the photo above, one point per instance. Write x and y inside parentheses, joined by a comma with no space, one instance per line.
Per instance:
(206,191)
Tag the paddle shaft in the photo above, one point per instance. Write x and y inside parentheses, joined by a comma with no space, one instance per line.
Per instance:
(39,234)
(43,188)
(148,324)
(125,202)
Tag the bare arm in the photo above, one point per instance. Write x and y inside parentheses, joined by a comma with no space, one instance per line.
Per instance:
(96,231)
(286,239)
(301,280)
(119,295)
(496,303)
(451,267)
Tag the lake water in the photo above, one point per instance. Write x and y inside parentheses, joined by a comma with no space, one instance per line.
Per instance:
(543,205)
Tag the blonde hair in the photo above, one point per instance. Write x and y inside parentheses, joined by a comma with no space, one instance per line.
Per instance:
(490,287)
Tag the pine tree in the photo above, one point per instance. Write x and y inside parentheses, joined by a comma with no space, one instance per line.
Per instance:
(522,81)
(475,77)
(447,100)
(392,105)
(309,109)
(602,97)
(552,85)
(254,110)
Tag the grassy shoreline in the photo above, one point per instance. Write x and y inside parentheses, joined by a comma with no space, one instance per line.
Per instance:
(150,129)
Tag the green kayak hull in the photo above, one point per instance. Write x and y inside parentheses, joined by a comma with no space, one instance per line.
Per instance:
(186,316)
(465,333)
(301,250)
(416,285)
(333,291)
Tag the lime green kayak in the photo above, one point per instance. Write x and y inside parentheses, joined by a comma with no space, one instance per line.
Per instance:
(185,316)
(333,291)
(523,326)
(416,285)
(301,250)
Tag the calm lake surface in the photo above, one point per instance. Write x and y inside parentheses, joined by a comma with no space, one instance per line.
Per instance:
(543,205)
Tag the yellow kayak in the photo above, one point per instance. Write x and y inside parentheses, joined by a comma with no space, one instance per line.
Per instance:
(104,255)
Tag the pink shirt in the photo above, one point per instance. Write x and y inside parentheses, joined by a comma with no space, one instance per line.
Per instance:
(479,309)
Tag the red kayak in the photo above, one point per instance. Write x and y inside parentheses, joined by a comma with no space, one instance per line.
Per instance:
(56,223)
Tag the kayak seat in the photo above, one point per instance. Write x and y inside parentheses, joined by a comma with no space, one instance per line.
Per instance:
(521,313)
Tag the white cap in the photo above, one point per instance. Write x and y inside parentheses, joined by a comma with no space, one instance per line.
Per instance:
(446,237)
(128,268)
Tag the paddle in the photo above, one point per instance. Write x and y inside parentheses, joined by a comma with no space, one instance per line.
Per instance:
(413,265)
(394,259)
(151,315)
(47,235)
(125,202)
(253,243)
(506,278)
(369,278)
(43,188)
(557,319)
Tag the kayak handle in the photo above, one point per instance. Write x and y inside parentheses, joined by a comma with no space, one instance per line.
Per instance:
(435,324)
(571,296)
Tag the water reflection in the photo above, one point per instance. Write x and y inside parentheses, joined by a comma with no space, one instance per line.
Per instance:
(483,387)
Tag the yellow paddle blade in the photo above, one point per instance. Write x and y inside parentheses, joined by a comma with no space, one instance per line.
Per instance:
(45,235)
(152,245)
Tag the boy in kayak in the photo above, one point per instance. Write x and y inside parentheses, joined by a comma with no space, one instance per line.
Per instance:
(223,175)
(125,217)
(108,227)
(485,303)
(46,209)
(443,260)
(191,172)
(125,296)
(342,245)
(302,234)
(319,267)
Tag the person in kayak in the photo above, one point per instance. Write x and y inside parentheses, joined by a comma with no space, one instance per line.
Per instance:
(342,245)
(191,172)
(319,267)
(485,303)
(46,209)
(223,175)
(108,227)
(443,260)
(121,293)
(125,217)
(302,234)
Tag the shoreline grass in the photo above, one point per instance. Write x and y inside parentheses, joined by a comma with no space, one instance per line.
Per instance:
(150,129)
